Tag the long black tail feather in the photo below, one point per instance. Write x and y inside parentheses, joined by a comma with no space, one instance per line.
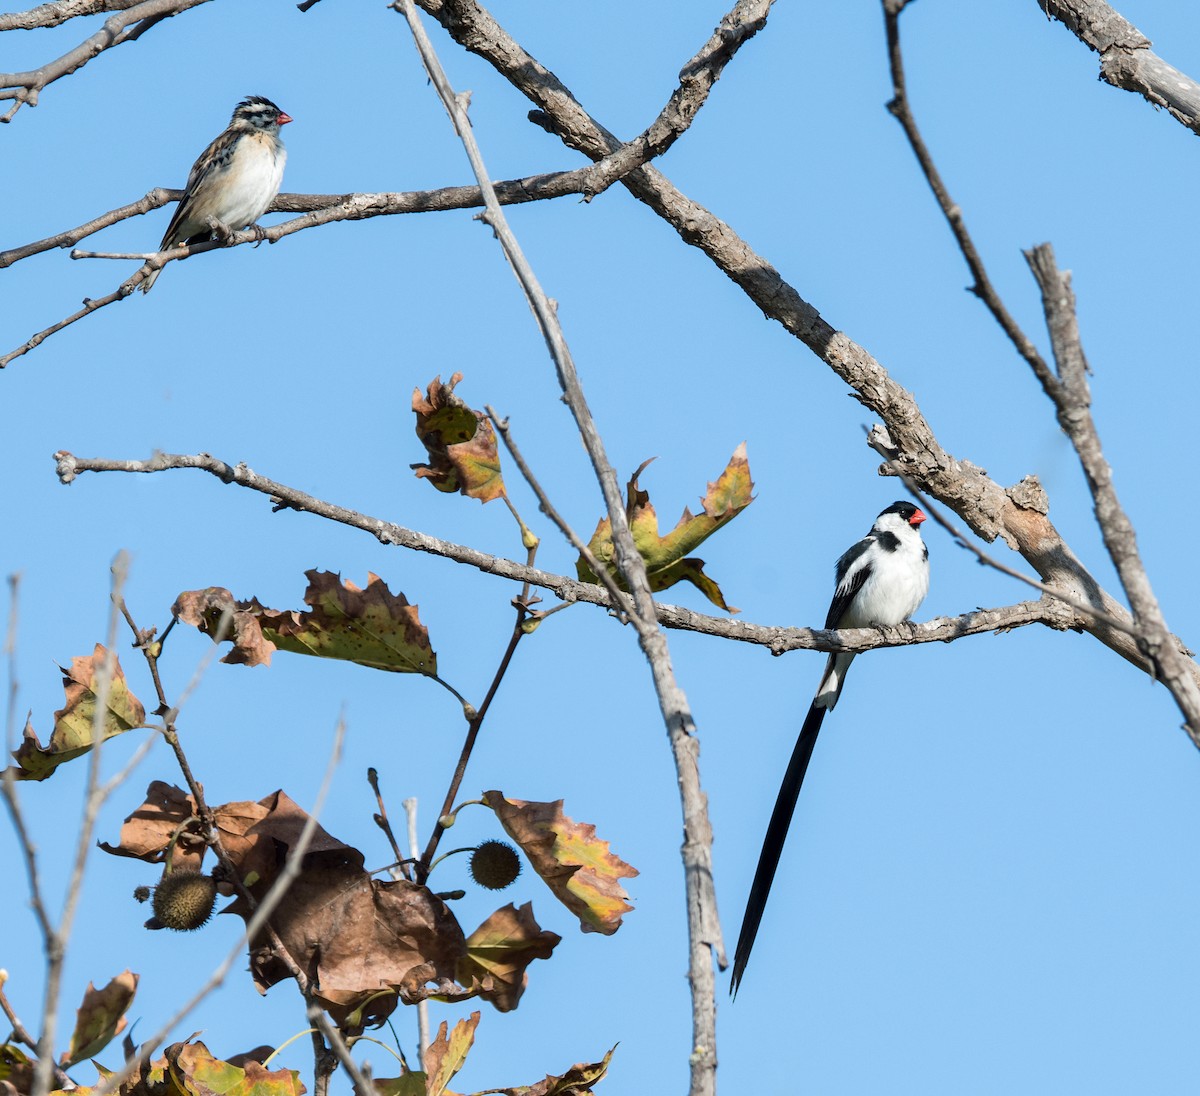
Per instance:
(777,830)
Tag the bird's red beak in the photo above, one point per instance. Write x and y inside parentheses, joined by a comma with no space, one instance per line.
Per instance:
(284,118)
(917,518)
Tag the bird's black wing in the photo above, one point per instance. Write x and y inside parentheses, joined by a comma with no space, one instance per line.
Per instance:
(851,572)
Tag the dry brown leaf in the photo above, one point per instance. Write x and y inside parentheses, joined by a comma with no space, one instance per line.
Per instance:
(255,835)
(500,950)
(576,865)
(215,613)
(147,832)
(360,937)
(577,1081)
(461,443)
(370,943)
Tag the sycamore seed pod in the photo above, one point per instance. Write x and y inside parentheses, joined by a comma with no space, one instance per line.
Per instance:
(184,900)
(495,864)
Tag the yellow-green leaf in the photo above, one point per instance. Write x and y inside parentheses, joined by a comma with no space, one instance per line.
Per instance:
(195,1071)
(75,722)
(410,1083)
(444,1057)
(372,627)
(666,557)
(576,865)
(100,1017)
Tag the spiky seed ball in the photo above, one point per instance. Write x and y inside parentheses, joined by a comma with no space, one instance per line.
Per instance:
(495,864)
(184,900)
(141,894)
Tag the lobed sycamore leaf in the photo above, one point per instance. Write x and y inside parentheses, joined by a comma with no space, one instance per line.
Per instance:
(189,1069)
(444,1057)
(460,441)
(100,1018)
(577,1081)
(372,627)
(667,559)
(500,950)
(75,722)
(576,865)
(196,1072)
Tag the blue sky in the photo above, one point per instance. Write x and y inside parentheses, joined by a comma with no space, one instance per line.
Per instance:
(987,883)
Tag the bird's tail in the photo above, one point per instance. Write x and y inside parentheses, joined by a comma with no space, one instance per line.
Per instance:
(777,829)
(831,683)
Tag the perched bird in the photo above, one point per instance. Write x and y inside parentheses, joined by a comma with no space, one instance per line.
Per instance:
(235,179)
(880,581)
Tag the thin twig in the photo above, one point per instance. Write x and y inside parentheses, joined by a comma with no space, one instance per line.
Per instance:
(21,1034)
(704,929)
(618,596)
(381,820)
(423,1006)
(337,1044)
(410,813)
(951,210)
(474,726)
(8,780)
(25,87)
(94,797)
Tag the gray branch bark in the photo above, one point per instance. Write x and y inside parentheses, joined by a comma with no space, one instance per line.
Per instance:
(1126,59)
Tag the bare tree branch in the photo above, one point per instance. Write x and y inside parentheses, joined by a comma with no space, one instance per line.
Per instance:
(323,209)
(1126,59)
(696,80)
(1075,417)
(1068,390)
(951,210)
(128,26)
(59,12)
(1016,514)
(777,639)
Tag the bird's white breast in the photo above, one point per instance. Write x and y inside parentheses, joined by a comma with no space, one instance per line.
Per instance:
(254,176)
(896,586)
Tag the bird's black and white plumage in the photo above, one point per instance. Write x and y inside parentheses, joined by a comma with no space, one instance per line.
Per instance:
(880,581)
(235,179)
